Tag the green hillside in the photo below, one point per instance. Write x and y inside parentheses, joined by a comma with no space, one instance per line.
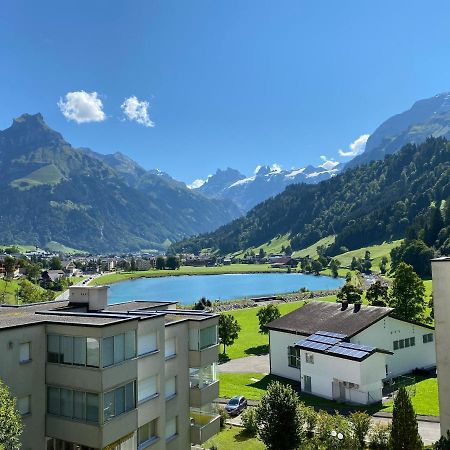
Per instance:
(311,250)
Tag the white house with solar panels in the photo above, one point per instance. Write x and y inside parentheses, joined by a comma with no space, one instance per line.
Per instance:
(347,352)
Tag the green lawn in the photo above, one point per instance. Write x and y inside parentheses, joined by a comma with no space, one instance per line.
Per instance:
(254,385)
(234,438)
(185,270)
(273,246)
(250,341)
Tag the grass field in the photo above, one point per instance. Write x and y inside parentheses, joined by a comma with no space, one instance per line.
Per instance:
(273,246)
(54,246)
(49,174)
(376,253)
(186,270)
(312,249)
(234,438)
(250,341)
(8,291)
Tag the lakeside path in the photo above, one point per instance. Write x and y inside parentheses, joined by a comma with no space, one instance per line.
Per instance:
(116,277)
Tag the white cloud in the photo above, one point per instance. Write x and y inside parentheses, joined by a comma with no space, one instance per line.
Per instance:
(356,147)
(82,107)
(137,111)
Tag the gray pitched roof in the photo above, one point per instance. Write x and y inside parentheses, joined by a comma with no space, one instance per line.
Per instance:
(329,316)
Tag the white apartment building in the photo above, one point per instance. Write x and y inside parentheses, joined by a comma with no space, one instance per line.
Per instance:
(88,375)
(345,353)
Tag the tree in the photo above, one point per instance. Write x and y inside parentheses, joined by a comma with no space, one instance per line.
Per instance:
(31,293)
(172,262)
(288,251)
(133,266)
(10,421)
(435,224)
(34,271)
(443,443)
(280,424)
(377,294)
(316,267)
(262,253)
(416,253)
(334,267)
(228,330)
(55,263)
(349,294)
(202,304)
(407,294)
(265,315)
(404,432)
(160,263)
(10,266)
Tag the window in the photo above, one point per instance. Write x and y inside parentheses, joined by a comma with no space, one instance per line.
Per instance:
(401,343)
(208,337)
(147,343)
(118,401)
(395,345)
(79,351)
(116,349)
(24,352)
(203,376)
(294,357)
(23,405)
(147,432)
(72,404)
(427,338)
(406,342)
(171,387)
(170,347)
(147,388)
(309,358)
(412,341)
(171,428)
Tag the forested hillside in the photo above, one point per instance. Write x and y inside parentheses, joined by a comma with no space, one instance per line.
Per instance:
(368,204)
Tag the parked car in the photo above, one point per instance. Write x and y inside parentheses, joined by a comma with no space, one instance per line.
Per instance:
(236,405)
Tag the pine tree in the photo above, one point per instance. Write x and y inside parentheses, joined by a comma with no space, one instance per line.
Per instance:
(405,431)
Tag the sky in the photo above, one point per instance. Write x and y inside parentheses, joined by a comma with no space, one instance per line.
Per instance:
(191,86)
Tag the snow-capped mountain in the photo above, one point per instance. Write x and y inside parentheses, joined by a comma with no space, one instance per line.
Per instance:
(266,182)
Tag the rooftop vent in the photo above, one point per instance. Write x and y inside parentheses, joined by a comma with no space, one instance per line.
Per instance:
(95,297)
(356,307)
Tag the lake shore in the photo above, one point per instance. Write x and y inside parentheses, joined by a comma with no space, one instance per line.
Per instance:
(234,269)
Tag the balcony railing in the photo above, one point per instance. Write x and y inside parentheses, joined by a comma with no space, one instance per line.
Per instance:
(204,425)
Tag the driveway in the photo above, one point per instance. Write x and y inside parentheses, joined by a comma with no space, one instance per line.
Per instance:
(258,364)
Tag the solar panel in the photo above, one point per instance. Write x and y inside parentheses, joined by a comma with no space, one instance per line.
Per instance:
(364,348)
(313,345)
(357,354)
(323,339)
(330,334)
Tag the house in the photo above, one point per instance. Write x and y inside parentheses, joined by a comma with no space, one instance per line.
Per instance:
(52,275)
(88,375)
(346,352)
(69,267)
(441,288)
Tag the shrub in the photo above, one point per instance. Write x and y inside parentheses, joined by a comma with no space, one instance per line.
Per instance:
(223,415)
(249,421)
(379,436)
(360,424)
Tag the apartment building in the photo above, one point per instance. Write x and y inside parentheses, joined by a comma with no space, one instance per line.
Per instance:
(441,288)
(88,375)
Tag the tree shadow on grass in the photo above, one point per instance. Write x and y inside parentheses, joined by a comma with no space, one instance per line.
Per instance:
(242,436)
(259,350)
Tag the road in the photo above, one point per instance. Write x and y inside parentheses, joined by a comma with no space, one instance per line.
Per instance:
(258,364)
(65,295)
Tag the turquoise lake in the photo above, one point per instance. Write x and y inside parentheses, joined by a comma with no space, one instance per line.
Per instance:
(189,289)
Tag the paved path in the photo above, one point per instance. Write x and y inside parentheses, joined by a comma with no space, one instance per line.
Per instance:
(65,295)
(258,364)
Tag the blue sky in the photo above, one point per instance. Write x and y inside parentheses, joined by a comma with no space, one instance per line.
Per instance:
(227,83)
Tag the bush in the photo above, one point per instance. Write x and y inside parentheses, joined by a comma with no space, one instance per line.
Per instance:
(443,443)
(223,415)
(249,422)
(379,436)
(360,424)
(310,417)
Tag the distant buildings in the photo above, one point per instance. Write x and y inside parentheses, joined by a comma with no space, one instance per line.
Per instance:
(346,352)
(88,375)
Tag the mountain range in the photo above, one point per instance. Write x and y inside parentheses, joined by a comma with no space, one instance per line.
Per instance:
(53,192)
(246,192)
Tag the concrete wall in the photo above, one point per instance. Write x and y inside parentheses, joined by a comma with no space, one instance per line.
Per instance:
(382,335)
(26,379)
(441,294)
(279,343)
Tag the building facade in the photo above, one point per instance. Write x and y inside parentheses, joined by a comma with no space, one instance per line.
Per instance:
(88,375)
(346,353)
(441,288)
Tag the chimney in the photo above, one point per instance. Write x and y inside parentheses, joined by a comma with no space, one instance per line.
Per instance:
(94,297)
(356,307)
(344,305)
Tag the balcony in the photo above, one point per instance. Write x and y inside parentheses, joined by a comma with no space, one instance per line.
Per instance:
(204,385)
(204,425)
(203,357)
